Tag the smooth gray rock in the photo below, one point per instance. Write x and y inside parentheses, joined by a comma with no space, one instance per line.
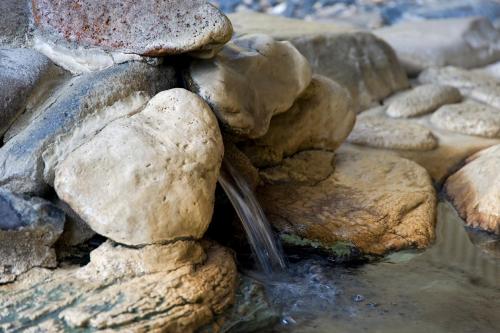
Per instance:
(21,71)
(21,163)
(28,229)
(15,19)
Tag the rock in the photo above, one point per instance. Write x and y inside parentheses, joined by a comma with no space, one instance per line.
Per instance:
(374,202)
(239,161)
(14,23)
(320,119)
(475,190)
(364,64)
(422,100)
(28,229)
(149,177)
(177,287)
(382,132)
(85,99)
(451,149)
(21,72)
(252,79)
(462,42)
(470,118)
(152,27)
(76,231)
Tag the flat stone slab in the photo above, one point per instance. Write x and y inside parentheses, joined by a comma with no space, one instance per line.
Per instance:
(422,100)
(150,27)
(470,118)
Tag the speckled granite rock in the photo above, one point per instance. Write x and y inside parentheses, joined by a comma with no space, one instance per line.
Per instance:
(79,100)
(252,79)
(475,190)
(149,177)
(28,229)
(374,202)
(150,27)
(178,287)
(15,20)
(321,118)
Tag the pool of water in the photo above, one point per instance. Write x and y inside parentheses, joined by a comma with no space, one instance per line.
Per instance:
(454,286)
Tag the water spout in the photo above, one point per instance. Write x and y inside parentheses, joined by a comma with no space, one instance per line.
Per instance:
(260,236)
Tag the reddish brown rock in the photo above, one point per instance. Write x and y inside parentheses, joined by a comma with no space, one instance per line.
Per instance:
(147,27)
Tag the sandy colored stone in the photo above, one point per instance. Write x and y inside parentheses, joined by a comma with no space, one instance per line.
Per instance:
(177,287)
(321,118)
(422,100)
(382,132)
(361,62)
(29,227)
(462,42)
(149,177)
(470,118)
(239,161)
(150,27)
(475,190)
(252,79)
(375,202)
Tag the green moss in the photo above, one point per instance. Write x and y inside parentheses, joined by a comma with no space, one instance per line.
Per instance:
(339,249)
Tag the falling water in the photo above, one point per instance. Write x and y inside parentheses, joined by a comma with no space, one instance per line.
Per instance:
(259,233)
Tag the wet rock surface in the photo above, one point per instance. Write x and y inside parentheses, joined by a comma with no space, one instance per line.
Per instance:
(475,190)
(123,166)
(373,202)
(150,27)
(321,118)
(252,79)
(185,284)
(29,227)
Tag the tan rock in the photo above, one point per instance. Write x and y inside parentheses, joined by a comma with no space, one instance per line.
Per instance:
(463,42)
(321,118)
(359,61)
(252,79)
(382,132)
(240,162)
(374,201)
(177,287)
(422,100)
(470,118)
(149,177)
(475,190)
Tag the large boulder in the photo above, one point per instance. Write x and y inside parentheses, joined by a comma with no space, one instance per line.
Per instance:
(252,79)
(374,202)
(28,229)
(475,190)
(22,71)
(364,64)
(462,42)
(177,287)
(150,27)
(150,177)
(321,118)
(93,99)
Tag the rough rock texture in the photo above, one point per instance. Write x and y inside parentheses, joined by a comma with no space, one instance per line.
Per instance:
(364,64)
(478,85)
(381,132)
(374,201)
(321,118)
(470,118)
(21,72)
(177,287)
(239,161)
(475,190)
(149,27)
(252,79)
(463,42)
(441,161)
(76,231)
(149,177)
(14,23)
(21,164)
(28,229)
(422,100)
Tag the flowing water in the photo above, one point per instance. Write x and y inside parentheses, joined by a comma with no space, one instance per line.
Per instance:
(260,236)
